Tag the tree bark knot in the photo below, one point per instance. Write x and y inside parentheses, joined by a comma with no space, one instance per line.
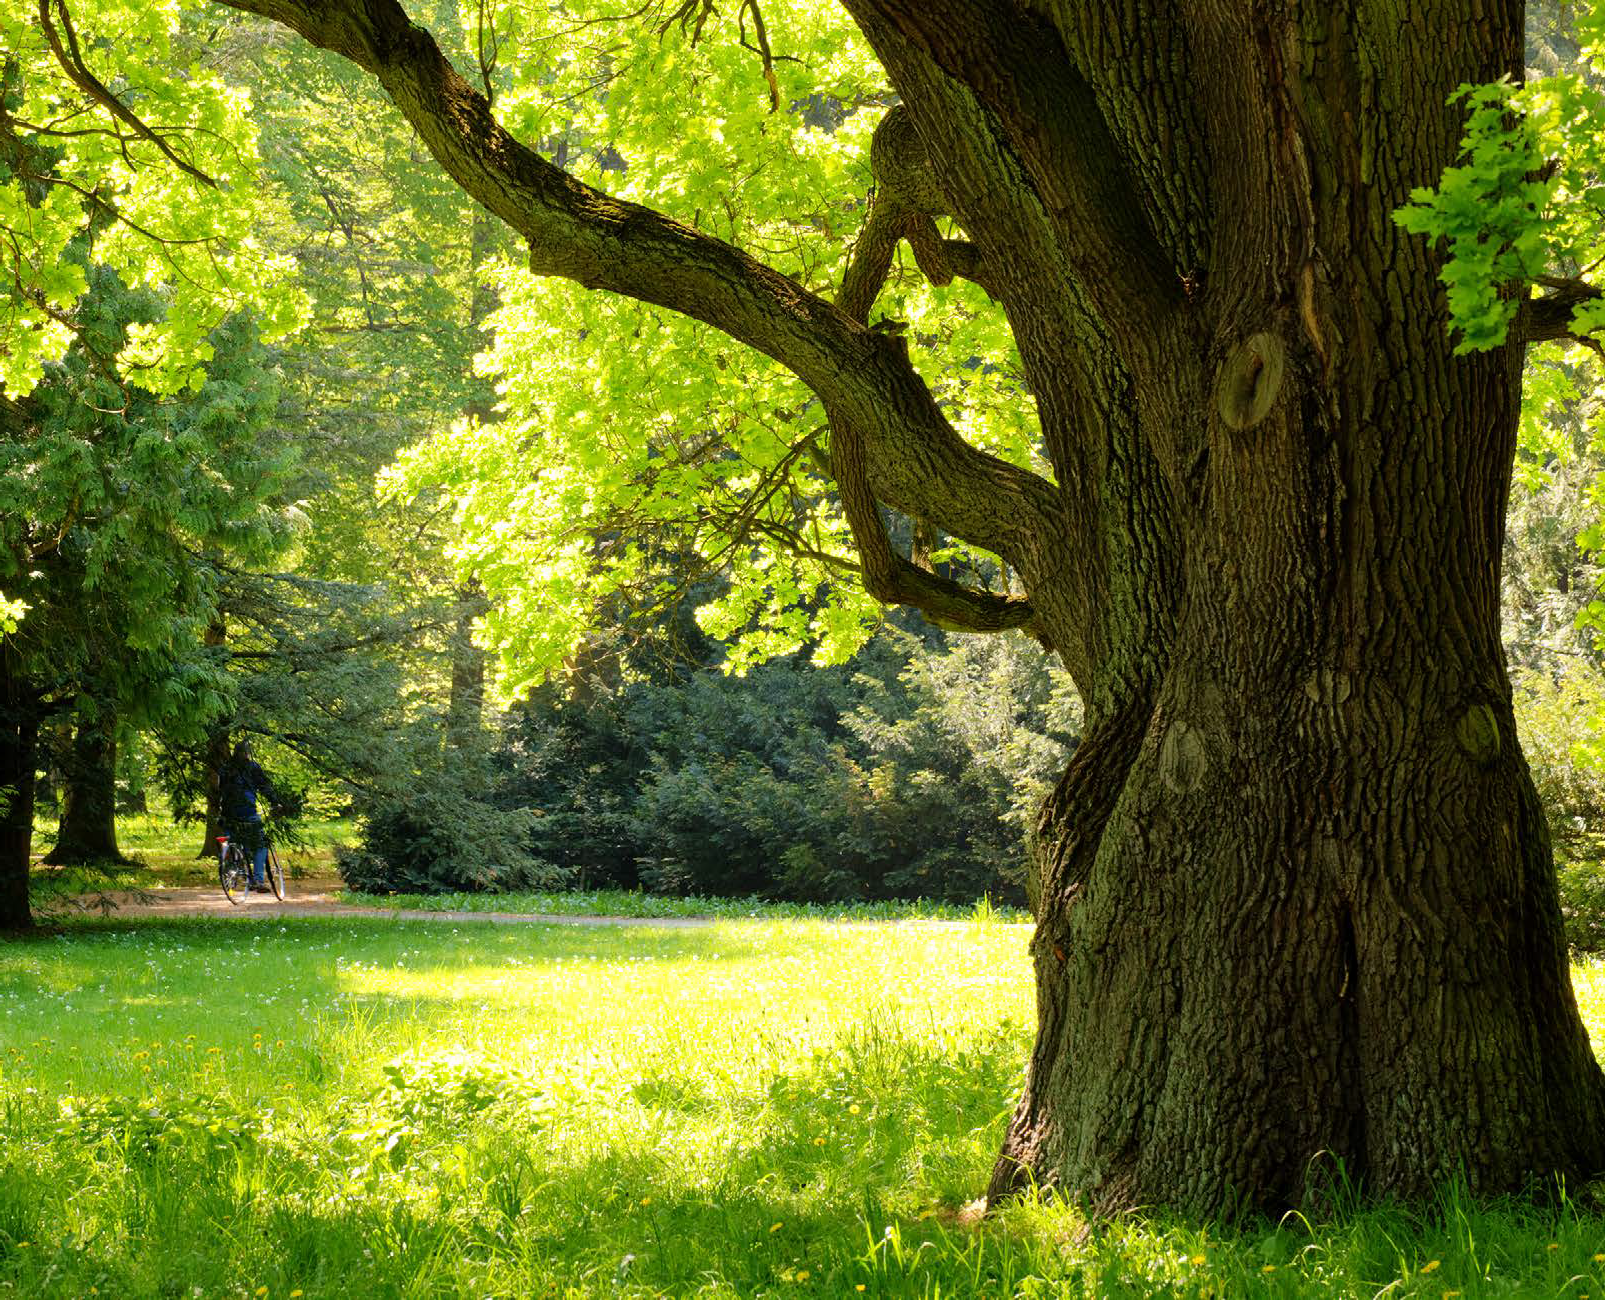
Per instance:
(1250,379)
(1477,734)
(1181,757)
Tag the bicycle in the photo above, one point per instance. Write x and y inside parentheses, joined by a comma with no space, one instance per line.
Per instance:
(234,870)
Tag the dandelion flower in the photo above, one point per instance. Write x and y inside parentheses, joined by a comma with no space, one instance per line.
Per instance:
(802,1274)
(1430,1266)
(774,1227)
(1200,1260)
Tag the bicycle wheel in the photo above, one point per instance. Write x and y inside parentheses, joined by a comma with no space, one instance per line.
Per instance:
(233,874)
(275,873)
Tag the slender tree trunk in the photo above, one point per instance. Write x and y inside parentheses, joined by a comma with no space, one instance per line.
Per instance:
(87,831)
(19,732)
(465,711)
(217,756)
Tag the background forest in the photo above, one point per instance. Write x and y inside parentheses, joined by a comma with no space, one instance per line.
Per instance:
(363,523)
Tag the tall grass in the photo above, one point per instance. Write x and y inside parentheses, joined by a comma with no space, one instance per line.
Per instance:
(751,1108)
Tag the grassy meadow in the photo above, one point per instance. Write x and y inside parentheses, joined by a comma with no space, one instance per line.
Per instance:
(749,1107)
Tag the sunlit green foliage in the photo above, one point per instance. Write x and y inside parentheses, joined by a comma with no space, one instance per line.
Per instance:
(1525,207)
(631,433)
(116,509)
(172,209)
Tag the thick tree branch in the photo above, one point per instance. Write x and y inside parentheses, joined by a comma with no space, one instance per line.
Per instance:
(886,575)
(1549,319)
(1017,67)
(918,462)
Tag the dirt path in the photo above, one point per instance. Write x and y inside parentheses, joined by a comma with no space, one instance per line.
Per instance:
(316,897)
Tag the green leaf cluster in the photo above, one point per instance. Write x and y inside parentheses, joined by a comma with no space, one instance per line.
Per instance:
(117,509)
(1525,206)
(78,184)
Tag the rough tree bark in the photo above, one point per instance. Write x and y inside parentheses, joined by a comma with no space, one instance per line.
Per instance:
(1295,900)
(87,831)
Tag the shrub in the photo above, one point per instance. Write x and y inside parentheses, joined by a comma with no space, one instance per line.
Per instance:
(912,772)
(440,838)
(1559,720)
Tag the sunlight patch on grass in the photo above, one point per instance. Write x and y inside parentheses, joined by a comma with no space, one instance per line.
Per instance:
(1588,979)
(750,1108)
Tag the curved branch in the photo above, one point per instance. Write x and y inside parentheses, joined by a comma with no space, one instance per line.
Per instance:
(886,575)
(579,233)
(894,580)
(72,63)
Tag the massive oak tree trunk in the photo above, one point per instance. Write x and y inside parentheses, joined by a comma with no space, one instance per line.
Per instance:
(1295,902)
(87,831)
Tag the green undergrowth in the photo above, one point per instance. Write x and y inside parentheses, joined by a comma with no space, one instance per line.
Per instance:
(372,1108)
(633,903)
